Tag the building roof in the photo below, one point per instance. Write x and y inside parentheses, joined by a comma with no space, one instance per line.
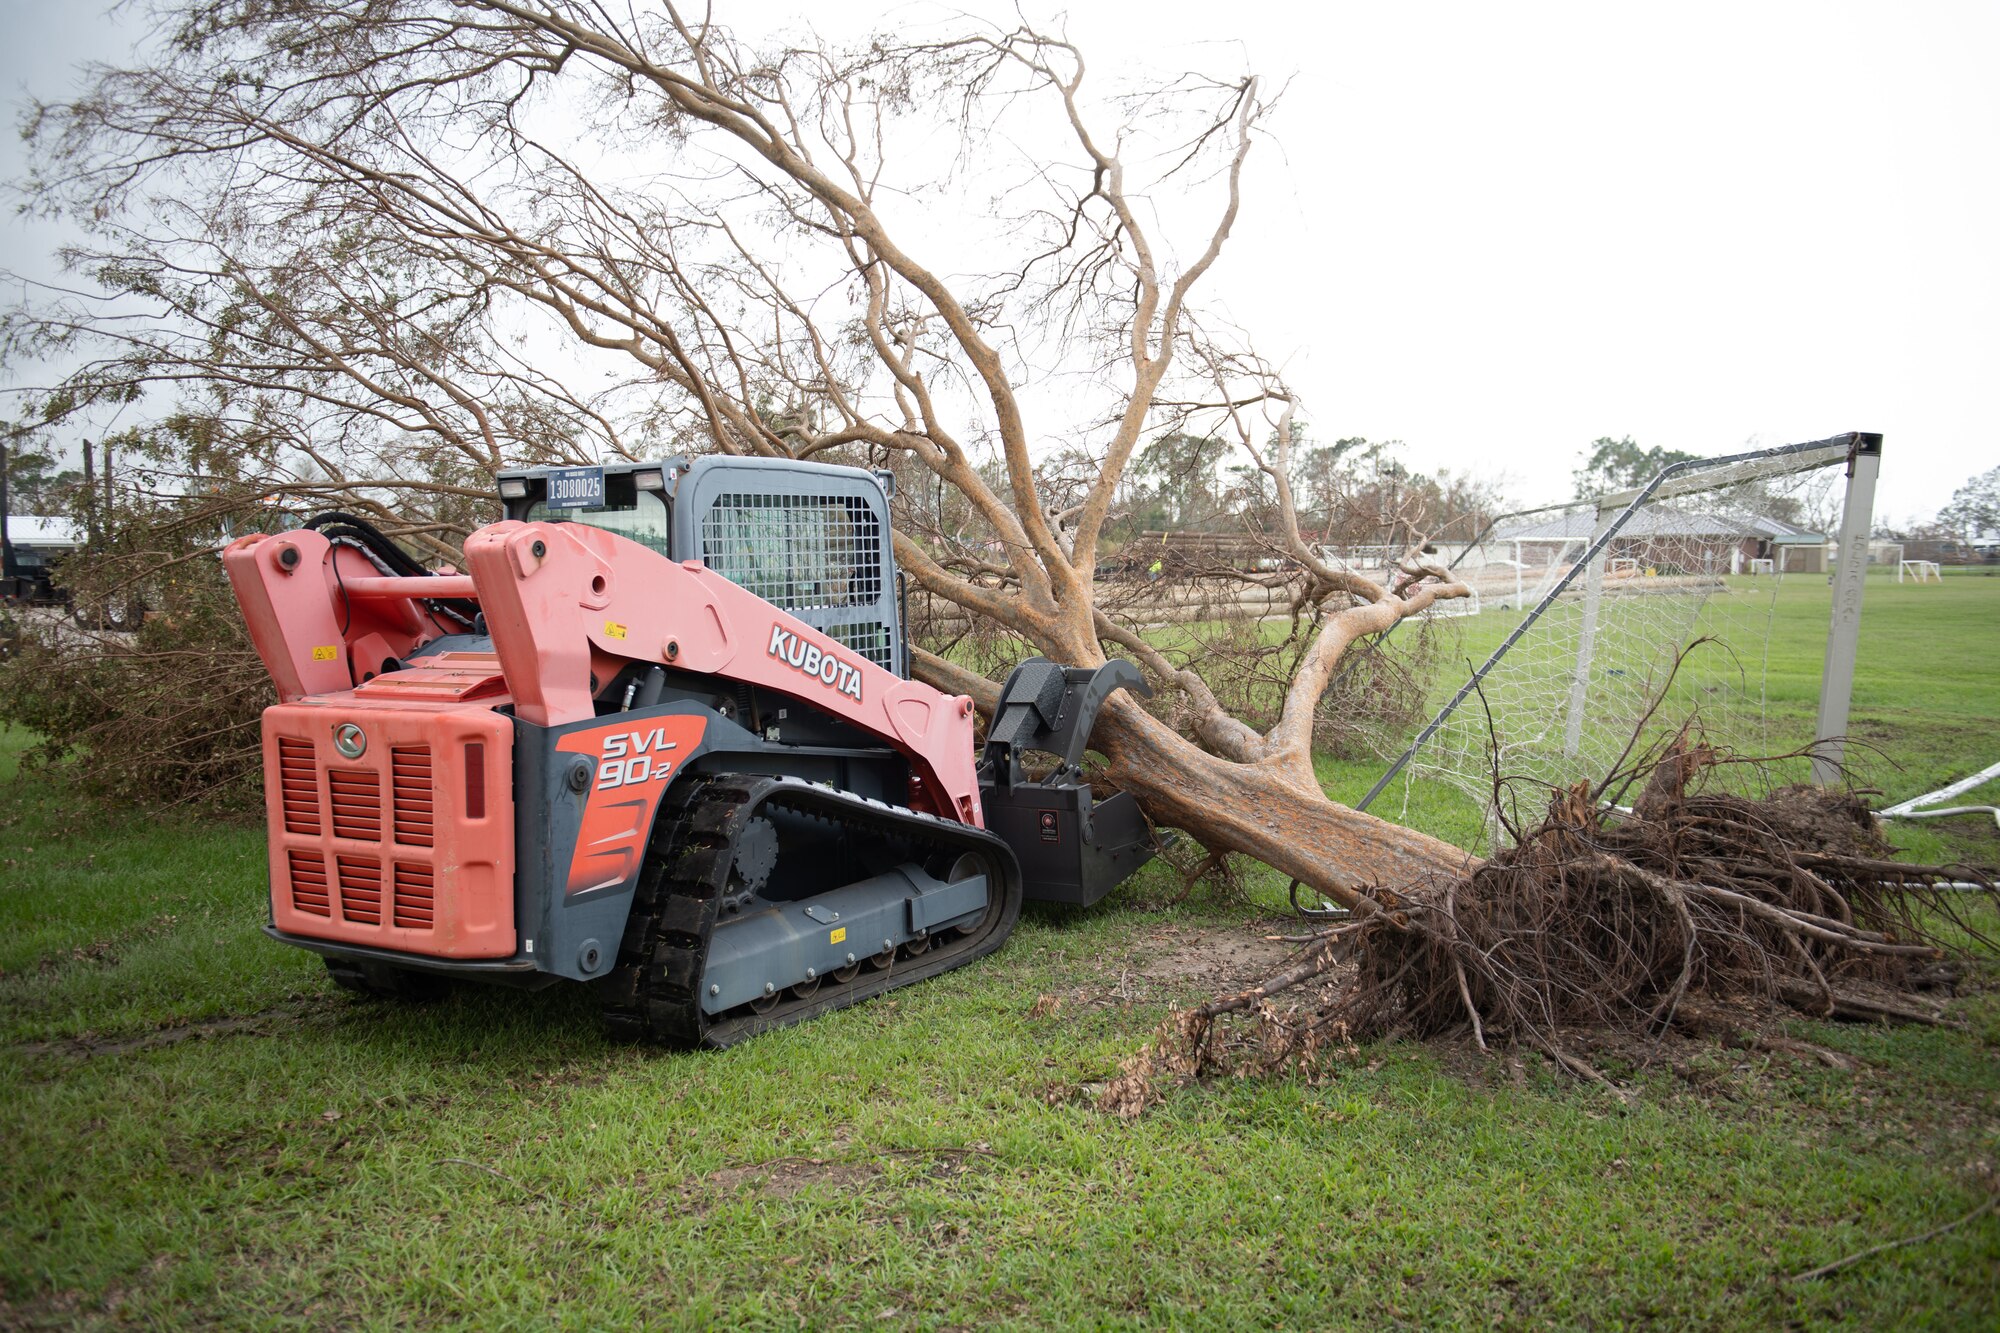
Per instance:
(55,534)
(1717,523)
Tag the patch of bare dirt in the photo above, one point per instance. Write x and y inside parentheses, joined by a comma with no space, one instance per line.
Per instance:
(104,952)
(1221,956)
(787,1176)
(47,1310)
(1172,963)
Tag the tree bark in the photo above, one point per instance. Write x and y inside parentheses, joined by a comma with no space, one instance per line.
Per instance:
(1263,811)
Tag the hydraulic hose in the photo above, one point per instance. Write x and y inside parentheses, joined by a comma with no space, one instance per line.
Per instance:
(338,525)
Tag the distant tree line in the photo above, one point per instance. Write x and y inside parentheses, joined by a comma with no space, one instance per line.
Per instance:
(1351,492)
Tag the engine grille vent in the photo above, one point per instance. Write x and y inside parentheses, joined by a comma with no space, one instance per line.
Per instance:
(357,803)
(413,907)
(309,883)
(361,889)
(376,850)
(298,782)
(410,794)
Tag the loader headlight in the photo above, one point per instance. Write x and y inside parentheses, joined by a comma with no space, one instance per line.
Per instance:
(513,488)
(650,480)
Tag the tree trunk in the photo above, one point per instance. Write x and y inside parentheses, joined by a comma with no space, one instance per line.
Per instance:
(1264,811)
(1268,810)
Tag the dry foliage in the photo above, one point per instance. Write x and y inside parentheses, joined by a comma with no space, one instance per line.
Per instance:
(164,713)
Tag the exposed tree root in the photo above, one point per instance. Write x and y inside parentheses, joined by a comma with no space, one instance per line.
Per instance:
(1597,920)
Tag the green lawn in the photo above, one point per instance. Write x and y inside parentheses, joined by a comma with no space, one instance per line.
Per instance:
(198,1129)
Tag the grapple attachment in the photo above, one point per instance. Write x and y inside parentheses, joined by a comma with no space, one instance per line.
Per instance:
(1073,848)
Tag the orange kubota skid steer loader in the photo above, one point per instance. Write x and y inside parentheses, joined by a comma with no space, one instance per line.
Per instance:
(660,737)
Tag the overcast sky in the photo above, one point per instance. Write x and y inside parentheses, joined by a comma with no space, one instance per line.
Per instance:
(1497,232)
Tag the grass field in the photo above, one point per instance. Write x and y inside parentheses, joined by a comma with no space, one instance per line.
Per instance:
(199,1130)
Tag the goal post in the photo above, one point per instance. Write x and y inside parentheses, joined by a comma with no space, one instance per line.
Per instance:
(1836,681)
(1621,584)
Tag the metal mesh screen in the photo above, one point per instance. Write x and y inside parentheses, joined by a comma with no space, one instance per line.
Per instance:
(870,639)
(797,552)
(1583,609)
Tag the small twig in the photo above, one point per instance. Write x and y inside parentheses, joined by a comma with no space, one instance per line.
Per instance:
(498,1175)
(1806,1000)
(1583,1070)
(1932,1234)
(1458,966)
(1317,960)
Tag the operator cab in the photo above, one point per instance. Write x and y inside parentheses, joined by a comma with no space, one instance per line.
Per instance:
(813,539)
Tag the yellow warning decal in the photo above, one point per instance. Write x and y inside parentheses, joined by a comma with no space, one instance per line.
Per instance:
(839,936)
(327,652)
(614,629)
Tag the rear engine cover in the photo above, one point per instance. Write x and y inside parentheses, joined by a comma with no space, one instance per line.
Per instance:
(392,825)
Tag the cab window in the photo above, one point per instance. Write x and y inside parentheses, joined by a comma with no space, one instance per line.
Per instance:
(627,511)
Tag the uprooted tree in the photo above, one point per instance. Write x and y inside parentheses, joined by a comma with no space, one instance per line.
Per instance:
(365,253)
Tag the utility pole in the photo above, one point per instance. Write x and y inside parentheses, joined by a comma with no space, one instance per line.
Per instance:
(89,494)
(6,542)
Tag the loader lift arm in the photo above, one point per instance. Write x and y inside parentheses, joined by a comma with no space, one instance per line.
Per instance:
(559,596)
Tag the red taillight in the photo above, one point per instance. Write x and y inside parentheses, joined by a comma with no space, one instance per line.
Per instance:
(475,779)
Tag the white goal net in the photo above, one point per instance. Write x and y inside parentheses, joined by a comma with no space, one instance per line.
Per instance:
(1628,614)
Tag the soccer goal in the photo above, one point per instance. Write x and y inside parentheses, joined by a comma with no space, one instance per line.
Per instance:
(1643,605)
(1920,570)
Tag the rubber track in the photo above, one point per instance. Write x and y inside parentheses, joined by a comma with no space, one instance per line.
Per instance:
(653,992)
